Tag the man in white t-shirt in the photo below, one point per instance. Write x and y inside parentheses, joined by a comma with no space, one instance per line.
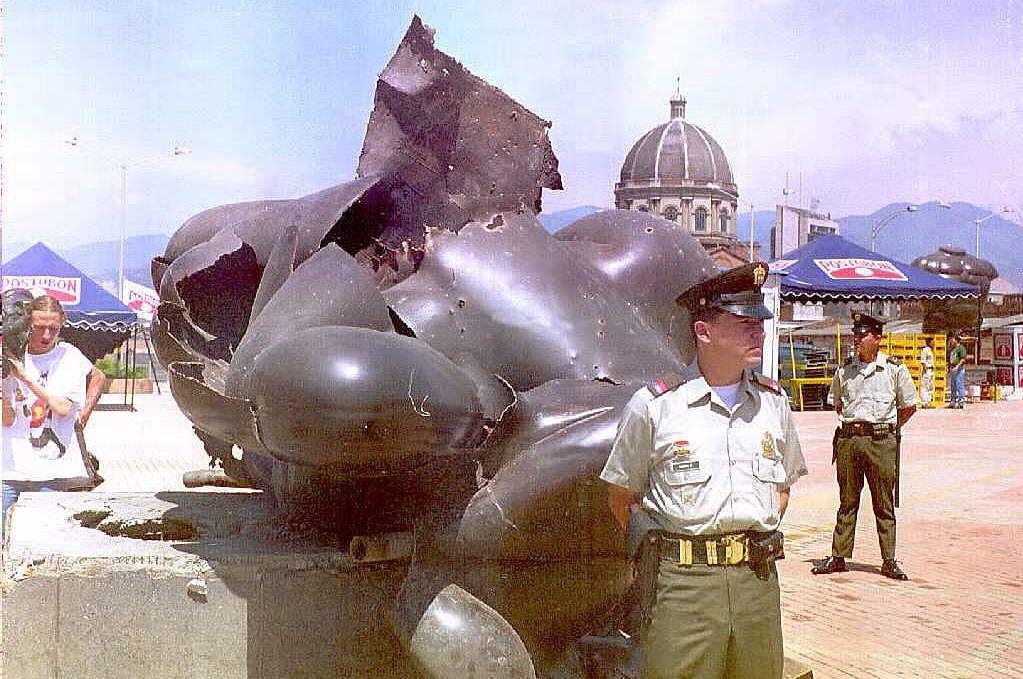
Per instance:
(42,397)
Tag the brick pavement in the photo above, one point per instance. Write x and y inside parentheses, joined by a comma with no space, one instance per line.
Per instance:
(961,614)
(146,450)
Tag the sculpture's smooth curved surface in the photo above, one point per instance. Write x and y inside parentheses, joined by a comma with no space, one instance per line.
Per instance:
(460,636)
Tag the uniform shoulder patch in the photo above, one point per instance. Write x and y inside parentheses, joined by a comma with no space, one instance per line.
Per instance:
(894,360)
(664,383)
(768,383)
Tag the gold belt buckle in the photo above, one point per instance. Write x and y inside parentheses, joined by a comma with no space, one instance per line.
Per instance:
(685,552)
(735,549)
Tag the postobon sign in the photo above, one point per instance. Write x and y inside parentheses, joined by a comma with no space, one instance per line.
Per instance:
(67,291)
(852,268)
(140,299)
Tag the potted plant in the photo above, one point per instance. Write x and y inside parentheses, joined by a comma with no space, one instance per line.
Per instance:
(119,377)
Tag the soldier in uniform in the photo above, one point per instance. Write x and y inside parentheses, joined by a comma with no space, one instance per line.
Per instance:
(705,460)
(874,396)
(927,373)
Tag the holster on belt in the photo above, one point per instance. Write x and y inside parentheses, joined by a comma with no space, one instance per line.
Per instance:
(764,550)
(638,601)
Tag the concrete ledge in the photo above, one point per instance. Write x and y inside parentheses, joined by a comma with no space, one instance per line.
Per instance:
(236,603)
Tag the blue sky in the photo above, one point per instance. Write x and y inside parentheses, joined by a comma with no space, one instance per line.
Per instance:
(874,102)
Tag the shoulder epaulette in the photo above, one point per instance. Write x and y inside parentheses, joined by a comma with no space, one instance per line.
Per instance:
(894,360)
(767,383)
(665,383)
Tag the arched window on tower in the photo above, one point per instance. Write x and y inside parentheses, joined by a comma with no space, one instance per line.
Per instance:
(723,221)
(701,219)
(671,212)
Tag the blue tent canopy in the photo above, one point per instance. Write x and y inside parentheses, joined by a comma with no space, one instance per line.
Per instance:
(88,306)
(831,268)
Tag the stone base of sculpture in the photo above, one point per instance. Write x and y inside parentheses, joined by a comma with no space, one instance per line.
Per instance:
(210,584)
(225,594)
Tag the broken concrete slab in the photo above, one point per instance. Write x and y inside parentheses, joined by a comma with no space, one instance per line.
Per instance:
(242,600)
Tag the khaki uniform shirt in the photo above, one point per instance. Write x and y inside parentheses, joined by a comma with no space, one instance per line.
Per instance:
(702,469)
(927,358)
(873,392)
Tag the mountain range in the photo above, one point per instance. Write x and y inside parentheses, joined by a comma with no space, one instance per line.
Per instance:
(906,236)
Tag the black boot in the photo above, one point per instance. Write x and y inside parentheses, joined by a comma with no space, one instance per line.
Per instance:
(832,564)
(890,569)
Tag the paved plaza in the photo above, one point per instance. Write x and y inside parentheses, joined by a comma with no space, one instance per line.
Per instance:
(960,615)
(959,530)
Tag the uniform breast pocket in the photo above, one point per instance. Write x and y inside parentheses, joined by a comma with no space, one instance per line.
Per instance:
(768,470)
(684,471)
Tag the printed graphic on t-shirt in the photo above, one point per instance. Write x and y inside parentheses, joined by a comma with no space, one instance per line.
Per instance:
(40,433)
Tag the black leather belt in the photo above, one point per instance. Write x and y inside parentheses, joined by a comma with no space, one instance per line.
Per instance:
(867,428)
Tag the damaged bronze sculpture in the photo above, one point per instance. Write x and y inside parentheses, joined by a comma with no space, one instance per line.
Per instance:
(16,325)
(412,351)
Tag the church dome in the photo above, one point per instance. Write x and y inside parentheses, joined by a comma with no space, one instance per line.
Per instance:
(679,151)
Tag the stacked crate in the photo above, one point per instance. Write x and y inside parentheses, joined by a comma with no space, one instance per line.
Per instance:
(907,348)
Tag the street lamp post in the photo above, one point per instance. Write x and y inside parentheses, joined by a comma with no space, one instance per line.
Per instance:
(977,222)
(123,167)
(752,215)
(885,221)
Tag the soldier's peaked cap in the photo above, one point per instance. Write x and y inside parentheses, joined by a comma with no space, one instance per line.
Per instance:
(863,323)
(736,291)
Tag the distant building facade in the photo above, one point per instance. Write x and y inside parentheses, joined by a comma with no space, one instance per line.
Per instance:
(794,227)
(679,172)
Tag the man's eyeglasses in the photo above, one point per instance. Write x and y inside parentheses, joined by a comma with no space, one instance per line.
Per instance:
(43,329)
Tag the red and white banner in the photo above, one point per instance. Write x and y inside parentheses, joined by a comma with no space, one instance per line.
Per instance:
(67,291)
(1003,347)
(140,299)
(851,268)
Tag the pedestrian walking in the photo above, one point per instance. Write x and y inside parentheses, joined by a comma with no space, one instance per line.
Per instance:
(706,459)
(874,397)
(957,371)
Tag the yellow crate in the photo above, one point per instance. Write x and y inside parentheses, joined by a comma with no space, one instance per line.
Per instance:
(906,347)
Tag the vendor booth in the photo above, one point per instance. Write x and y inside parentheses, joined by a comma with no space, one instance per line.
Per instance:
(832,269)
(97,321)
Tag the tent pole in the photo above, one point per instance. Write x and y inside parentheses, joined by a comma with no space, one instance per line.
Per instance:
(152,364)
(134,363)
(838,343)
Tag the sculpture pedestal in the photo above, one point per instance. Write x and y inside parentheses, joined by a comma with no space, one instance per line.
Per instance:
(197,584)
(238,602)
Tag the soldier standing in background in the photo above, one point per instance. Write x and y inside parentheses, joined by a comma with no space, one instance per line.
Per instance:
(874,396)
(927,373)
(706,459)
